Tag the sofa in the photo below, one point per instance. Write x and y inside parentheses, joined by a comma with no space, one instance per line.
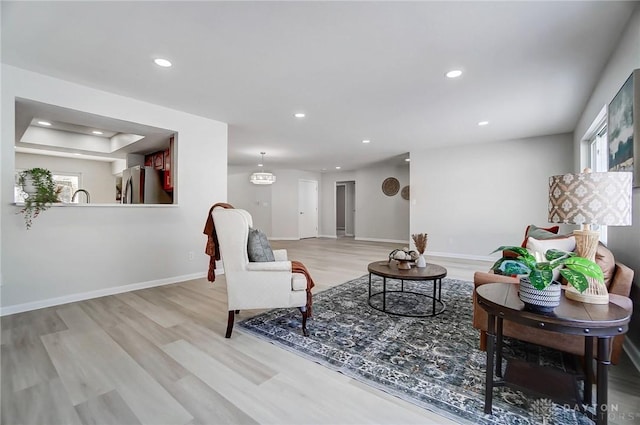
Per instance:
(618,279)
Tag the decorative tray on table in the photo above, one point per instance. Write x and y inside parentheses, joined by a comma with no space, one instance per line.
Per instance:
(403,258)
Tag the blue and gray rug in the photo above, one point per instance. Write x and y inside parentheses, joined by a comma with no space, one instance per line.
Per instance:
(431,362)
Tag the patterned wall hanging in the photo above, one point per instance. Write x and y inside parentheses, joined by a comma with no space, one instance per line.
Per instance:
(390,186)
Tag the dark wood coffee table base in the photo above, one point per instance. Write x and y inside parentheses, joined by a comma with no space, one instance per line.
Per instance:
(432,273)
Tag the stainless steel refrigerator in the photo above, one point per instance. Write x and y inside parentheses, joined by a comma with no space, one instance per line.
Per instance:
(143,185)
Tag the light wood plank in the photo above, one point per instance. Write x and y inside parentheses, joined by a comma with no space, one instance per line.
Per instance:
(25,363)
(106,409)
(80,362)
(150,402)
(161,316)
(224,351)
(222,379)
(206,405)
(43,403)
(152,359)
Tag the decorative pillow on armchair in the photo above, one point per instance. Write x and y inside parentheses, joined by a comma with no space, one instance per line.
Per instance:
(607,262)
(563,243)
(539,233)
(258,247)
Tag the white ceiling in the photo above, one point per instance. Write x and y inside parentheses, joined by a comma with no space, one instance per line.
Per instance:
(144,139)
(359,70)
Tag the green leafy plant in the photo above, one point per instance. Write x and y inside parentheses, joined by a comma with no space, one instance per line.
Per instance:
(40,200)
(540,271)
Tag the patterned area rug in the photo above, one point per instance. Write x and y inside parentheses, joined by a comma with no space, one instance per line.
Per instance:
(431,362)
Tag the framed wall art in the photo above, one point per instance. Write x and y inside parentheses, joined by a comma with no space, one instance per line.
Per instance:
(623,128)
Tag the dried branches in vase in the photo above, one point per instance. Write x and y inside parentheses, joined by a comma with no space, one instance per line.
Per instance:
(420,240)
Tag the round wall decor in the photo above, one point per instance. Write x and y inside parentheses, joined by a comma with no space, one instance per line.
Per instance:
(390,186)
(405,193)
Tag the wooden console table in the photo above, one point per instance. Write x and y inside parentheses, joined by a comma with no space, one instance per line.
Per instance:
(601,322)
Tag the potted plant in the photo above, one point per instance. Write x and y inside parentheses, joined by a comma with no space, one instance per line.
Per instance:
(538,289)
(40,188)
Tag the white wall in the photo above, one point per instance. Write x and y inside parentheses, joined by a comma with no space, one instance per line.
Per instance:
(95,176)
(254,198)
(624,242)
(76,252)
(284,201)
(472,199)
(274,208)
(378,217)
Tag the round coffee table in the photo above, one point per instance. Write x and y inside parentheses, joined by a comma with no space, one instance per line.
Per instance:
(388,269)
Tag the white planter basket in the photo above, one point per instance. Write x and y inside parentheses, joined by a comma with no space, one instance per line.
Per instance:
(539,300)
(28,186)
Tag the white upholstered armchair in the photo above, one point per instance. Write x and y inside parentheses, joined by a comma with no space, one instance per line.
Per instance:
(255,285)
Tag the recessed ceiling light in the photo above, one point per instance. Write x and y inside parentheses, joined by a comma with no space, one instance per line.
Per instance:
(454,73)
(162,62)
(324,169)
(299,115)
(481,123)
(47,123)
(97,132)
(407,159)
(366,141)
(337,168)
(77,154)
(260,165)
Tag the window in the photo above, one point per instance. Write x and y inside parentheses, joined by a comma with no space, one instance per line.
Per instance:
(66,185)
(598,161)
(598,148)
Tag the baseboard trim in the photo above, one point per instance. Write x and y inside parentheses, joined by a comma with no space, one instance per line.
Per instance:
(50,302)
(328,236)
(405,242)
(277,238)
(633,352)
(460,256)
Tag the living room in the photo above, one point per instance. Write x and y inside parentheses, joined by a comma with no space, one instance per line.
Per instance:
(470,197)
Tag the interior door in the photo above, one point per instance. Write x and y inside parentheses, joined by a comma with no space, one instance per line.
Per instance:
(340,207)
(308,209)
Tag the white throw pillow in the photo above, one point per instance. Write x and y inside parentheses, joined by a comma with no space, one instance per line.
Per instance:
(542,246)
(539,247)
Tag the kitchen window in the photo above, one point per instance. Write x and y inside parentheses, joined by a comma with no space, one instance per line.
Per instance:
(66,186)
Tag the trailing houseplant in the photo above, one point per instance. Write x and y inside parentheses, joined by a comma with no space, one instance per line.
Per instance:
(537,277)
(40,188)
(540,270)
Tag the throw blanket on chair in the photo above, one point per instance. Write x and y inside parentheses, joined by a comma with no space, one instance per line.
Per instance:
(212,241)
(298,267)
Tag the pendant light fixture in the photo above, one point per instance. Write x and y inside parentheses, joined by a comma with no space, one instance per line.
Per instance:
(262,177)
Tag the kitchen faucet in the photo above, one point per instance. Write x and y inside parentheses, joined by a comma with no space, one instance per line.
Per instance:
(85,192)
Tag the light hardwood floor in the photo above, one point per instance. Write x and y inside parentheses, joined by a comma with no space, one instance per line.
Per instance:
(158,356)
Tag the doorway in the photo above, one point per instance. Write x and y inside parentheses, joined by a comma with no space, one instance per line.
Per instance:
(308,209)
(345,208)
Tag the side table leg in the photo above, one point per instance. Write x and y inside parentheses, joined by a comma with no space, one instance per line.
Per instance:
(604,360)
(369,286)
(488,387)
(588,370)
(499,347)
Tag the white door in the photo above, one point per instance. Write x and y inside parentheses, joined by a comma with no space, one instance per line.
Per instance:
(308,209)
